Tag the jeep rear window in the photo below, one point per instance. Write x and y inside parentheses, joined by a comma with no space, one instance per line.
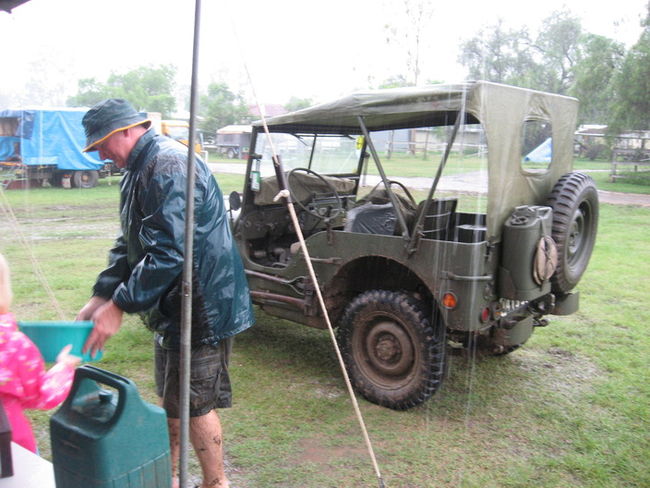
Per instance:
(536,145)
(325,154)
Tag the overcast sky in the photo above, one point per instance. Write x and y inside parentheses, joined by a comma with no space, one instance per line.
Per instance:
(307,49)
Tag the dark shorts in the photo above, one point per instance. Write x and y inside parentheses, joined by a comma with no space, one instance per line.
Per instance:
(209,380)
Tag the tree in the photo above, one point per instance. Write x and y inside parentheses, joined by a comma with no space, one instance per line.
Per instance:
(221,107)
(600,58)
(511,56)
(499,55)
(631,87)
(147,88)
(45,84)
(89,93)
(296,103)
(557,50)
(396,81)
(417,15)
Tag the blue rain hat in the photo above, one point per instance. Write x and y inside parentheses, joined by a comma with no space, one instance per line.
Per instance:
(108,117)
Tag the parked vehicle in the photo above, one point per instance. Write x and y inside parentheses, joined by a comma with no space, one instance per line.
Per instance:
(180,131)
(409,275)
(45,145)
(233,141)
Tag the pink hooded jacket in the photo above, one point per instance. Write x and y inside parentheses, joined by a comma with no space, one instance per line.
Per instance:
(24,382)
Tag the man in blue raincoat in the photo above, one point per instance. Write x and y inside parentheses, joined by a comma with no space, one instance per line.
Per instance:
(145,270)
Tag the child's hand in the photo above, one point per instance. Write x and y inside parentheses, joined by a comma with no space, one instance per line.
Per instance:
(67,358)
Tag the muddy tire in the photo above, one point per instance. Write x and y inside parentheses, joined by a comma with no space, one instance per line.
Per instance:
(393,356)
(85,178)
(57,180)
(574,201)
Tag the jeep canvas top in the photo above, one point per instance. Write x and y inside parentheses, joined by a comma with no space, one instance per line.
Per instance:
(436,217)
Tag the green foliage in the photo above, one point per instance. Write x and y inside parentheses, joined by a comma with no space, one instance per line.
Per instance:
(630,182)
(599,60)
(147,88)
(632,87)
(556,49)
(296,103)
(514,57)
(613,86)
(90,92)
(220,107)
(396,81)
(498,54)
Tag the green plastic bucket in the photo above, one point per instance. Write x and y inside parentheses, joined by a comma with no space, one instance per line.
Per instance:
(52,336)
(104,435)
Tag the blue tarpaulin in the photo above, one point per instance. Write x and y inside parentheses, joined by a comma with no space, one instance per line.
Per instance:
(542,153)
(8,147)
(50,136)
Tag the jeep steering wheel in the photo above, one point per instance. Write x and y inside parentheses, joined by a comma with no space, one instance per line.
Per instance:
(297,184)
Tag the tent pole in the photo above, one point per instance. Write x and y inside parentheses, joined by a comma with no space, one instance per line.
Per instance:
(186,304)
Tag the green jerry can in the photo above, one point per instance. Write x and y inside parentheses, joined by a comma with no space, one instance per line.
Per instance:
(520,246)
(105,436)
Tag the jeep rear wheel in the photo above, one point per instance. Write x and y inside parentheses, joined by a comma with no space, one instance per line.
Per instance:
(574,201)
(392,354)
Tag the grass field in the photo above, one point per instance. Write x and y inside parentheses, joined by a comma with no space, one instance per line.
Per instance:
(569,409)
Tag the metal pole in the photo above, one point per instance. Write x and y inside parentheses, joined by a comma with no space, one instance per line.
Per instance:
(186,304)
(393,199)
(460,117)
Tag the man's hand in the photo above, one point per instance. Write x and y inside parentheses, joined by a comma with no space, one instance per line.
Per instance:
(107,319)
(89,308)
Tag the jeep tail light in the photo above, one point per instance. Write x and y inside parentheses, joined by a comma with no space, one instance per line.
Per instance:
(449,300)
(485,314)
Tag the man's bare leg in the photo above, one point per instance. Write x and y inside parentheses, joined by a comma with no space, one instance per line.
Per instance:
(205,435)
(174,426)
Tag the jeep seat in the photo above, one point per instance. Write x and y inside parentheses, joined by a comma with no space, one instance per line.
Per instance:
(381,202)
(438,221)
(310,186)
(371,218)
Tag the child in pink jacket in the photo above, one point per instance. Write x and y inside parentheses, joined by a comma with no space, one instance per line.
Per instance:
(24,382)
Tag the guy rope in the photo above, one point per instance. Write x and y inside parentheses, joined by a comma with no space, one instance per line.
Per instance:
(10,217)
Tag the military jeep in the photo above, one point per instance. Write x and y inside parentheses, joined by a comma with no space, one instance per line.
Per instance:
(432,222)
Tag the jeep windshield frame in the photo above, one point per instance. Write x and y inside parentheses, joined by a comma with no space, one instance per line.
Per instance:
(332,154)
(500,109)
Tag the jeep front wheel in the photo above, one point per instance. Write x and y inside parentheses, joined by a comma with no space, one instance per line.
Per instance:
(574,201)
(393,355)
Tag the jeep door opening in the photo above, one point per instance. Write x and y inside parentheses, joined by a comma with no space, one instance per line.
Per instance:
(407,271)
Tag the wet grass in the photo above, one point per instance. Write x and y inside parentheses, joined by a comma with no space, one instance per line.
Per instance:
(570,408)
(630,183)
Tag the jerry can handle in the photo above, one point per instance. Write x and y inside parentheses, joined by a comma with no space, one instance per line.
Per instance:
(105,377)
(101,376)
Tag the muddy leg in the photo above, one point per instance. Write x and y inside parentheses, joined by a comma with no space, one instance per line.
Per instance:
(205,435)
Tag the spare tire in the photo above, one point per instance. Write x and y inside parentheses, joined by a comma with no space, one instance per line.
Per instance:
(574,201)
